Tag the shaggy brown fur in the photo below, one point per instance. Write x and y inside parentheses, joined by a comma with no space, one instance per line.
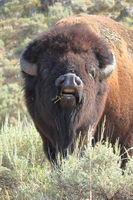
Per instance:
(79,44)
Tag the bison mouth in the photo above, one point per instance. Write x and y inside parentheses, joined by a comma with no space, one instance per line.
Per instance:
(70,97)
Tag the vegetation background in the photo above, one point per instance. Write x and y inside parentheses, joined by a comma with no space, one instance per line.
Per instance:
(24,172)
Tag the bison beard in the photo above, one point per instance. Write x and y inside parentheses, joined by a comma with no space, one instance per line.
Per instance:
(73,78)
(62,135)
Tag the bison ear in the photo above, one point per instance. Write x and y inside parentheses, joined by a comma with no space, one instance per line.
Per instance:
(108,68)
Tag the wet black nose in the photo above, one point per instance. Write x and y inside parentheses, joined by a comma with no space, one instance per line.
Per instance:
(69,80)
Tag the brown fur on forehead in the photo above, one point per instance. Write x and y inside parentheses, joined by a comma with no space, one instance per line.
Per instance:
(73,59)
(75,37)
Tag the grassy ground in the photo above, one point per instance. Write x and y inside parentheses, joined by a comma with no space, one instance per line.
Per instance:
(25,173)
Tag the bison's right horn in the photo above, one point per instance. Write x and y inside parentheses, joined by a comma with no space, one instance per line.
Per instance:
(107,71)
(27,67)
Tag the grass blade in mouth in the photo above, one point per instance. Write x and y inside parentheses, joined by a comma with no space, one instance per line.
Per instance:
(56,99)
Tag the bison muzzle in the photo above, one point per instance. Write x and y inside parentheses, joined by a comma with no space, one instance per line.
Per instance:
(70,88)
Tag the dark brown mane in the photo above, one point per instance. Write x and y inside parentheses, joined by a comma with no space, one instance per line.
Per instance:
(78,38)
(70,38)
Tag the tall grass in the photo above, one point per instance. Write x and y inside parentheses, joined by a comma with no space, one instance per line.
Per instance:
(25,173)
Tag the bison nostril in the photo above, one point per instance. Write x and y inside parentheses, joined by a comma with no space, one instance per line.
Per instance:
(78,81)
(59,81)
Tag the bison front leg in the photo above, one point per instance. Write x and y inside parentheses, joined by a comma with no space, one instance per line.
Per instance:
(127,149)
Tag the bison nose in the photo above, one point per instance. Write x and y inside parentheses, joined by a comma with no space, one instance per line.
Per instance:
(69,80)
(70,88)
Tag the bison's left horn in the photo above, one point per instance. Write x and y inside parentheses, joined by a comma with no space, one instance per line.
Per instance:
(108,69)
(27,67)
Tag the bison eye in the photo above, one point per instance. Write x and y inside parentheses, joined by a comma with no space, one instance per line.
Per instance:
(92,72)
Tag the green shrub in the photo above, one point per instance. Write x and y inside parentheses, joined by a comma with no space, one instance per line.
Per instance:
(11,102)
(1,44)
(58,11)
(19,8)
(26,174)
(96,175)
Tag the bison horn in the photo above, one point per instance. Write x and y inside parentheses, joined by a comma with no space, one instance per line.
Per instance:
(107,71)
(27,67)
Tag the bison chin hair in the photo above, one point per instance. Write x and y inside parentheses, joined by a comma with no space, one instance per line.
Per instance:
(60,134)
(65,128)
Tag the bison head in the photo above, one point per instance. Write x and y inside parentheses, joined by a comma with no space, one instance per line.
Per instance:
(65,71)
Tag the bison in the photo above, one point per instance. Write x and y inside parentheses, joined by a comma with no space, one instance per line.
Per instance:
(75,74)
